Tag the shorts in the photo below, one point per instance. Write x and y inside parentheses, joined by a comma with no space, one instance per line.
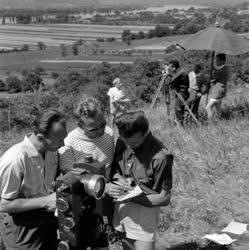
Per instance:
(138,222)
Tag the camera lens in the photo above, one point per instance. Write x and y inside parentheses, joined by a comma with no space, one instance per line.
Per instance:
(68,223)
(62,205)
(63,245)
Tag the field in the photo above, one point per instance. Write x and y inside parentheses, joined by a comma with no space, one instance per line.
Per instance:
(15,35)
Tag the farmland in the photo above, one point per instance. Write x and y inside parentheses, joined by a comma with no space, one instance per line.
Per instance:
(14,35)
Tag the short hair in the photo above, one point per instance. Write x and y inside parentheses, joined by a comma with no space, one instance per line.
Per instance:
(116,81)
(175,63)
(132,122)
(43,122)
(197,68)
(87,108)
(221,57)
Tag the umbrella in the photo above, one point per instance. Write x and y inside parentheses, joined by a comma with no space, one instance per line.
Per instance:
(216,39)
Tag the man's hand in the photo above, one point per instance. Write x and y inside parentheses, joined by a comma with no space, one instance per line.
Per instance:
(50,202)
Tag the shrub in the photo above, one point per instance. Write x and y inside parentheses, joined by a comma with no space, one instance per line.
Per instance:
(25,47)
(41,45)
(38,70)
(110,39)
(13,84)
(100,39)
(54,75)
(32,82)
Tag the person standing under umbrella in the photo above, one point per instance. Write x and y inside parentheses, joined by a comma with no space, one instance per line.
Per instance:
(220,79)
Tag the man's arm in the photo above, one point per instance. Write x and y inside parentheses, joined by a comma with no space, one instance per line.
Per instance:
(23,205)
(154,200)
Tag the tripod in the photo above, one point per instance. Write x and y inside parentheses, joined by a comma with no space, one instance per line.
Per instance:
(166,79)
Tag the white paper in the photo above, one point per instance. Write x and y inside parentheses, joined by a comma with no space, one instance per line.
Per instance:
(136,191)
(222,239)
(235,228)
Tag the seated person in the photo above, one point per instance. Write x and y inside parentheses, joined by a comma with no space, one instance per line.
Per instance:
(142,159)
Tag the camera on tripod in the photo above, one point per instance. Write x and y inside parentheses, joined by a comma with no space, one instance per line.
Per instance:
(76,195)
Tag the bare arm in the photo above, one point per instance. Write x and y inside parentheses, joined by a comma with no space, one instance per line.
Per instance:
(154,200)
(24,205)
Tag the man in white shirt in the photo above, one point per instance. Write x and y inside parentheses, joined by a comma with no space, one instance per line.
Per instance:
(197,88)
(28,200)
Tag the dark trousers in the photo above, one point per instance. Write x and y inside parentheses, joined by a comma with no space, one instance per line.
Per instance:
(180,107)
(34,230)
(193,102)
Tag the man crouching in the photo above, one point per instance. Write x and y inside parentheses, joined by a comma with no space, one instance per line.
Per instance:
(140,159)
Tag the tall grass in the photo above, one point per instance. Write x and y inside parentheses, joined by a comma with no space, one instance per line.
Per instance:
(210,177)
(210,172)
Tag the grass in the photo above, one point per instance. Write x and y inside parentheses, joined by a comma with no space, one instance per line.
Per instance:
(210,174)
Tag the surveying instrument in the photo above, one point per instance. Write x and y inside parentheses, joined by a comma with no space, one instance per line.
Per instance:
(165,85)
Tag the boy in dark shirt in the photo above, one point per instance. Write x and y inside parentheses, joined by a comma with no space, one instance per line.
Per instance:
(144,160)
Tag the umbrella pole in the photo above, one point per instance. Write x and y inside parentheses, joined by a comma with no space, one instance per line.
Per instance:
(211,72)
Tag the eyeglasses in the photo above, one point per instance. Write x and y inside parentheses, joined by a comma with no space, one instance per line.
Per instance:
(97,128)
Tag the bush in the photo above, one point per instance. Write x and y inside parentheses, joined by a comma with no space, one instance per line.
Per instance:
(110,39)
(100,39)
(32,82)
(2,86)
(41,45)
(38,70)
(14,84)
(25,47)
(54,75)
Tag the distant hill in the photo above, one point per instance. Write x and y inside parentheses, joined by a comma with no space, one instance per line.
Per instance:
(7,4)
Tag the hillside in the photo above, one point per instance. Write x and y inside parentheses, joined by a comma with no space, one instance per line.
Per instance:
(103,3)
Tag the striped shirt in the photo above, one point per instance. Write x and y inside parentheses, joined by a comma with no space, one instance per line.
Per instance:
(77,144)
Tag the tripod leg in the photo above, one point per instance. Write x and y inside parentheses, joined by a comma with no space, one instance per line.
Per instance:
(187,107)
(156,94)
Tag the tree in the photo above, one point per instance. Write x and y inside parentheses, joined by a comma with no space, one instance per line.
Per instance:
(32,82)
(41,45)
(13,84)
(140,35)
(75,49)
(63,50)
(25,47)
(126,36)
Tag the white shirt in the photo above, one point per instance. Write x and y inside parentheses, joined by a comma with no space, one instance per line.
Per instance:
(24,173)
(192,80)
(114,94)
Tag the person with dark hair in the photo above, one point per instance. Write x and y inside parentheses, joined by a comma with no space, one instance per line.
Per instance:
(220,79)
(27,172)
(139,159)
(198,86)
(180,83)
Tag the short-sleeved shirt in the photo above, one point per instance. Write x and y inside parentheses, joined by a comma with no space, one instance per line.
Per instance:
(221,77)
(77,144)
(150,164)
(24,173)
(114,94)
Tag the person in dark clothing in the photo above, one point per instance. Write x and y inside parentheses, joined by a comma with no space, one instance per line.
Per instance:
(142,160)
(180,83)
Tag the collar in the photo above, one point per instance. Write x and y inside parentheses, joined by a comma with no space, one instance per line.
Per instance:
(32,151)
(143,146)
